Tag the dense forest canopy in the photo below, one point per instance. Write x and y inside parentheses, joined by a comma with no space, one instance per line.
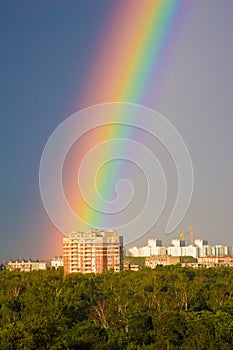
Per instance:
(165,308)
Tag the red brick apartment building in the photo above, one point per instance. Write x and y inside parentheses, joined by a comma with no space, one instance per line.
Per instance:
(93,251)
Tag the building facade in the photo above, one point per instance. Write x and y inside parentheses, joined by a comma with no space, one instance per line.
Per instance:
(93,251)
(179,248)
(57,262)
(154,247)
(165,260)
(211,261)
(26,265)
(183,251)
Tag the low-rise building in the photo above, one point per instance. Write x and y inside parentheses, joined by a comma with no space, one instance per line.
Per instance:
(211,261)
(26,265)
(131,267)
(57,262)
(164,260)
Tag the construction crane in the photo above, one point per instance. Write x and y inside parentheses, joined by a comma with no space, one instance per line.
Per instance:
(182,234)
(191,235)
(191,232)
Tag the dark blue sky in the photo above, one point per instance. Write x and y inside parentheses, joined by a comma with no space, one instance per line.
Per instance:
(46,48)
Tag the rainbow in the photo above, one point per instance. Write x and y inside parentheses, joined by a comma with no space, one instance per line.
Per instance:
(131,61)
(135,43)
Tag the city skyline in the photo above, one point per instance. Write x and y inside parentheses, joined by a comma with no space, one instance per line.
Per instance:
(96,251)
(155,246)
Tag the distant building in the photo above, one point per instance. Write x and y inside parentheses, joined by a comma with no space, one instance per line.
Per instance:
(153,243)
(153,261)
(199,248)
(217,250)
(211,261)
(206,250)
(190,251)
(201,243)
(174,251)
(26,265)
(131,267)
(93,251)
(178,242)
(57,262)
(221,250)
(183,251)
(158,251)
(154,247)
(146,251)
(135,251)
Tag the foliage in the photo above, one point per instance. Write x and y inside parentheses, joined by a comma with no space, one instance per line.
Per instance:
(135,260)
(169,307)
(187,259)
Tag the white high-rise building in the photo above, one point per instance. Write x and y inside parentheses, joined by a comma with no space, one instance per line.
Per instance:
(200,243)
(146,251)
(153,248)
(178,242)
(158,251)
(135,251)
(153,243)
(174,251)
(178,248)
(221,250)
(183,251)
